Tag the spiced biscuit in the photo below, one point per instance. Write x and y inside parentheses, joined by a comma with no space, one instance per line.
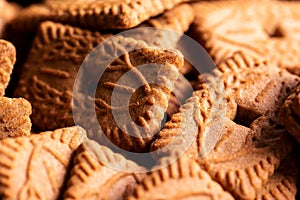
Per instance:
(48,83)
(35,167)
(260,28)
(183,179)
(283,184)
(100,173)
(50,70)
(132,94)
(290,111)
(94,15)
(256,86)
(244,158)
(14,117)
(7,61)
(194,129)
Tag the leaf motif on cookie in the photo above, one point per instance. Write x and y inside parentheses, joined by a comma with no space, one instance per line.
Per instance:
(14,117)
(183,179)
(26,162)
(133,92)
(99,173)
(194,128)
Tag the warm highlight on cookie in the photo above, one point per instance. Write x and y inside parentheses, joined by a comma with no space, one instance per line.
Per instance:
(183,179)
(35,167)
(97,174)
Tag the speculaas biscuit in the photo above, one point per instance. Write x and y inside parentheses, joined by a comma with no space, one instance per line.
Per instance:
(183,179)
(256,86)
(35,167)
(14,117)
(244,158)
(283,184)
(96,15)
(290,111)
(47,82)
(191,128)
(7,61)
(50,70)
(260,28)
(132,95)
(99,173)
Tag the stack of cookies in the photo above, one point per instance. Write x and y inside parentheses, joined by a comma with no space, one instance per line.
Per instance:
(149,99)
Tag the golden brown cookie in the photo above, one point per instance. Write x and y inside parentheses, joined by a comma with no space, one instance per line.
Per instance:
(244,158)
(283,184)
(255,86)
(290,111)
(183,179)
(7,61)
(260,28)
(194,127)
(133,93)
(96,15)
(14,117)
(48,83)
(35,167)
(99,173)
(55,58)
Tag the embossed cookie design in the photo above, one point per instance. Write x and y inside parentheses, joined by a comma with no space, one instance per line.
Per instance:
(194,128)
(35,167)
(97,173)
(244,158)
(283,184)
(48,83)
(254,86)
(259,28)
(94,15)
(183,179)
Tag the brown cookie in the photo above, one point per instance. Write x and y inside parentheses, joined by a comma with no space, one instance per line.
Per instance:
(7,61)
(99,173)
(48,83)
(14,117)
(283,184)
(133,93)
(96,15)
(194,127)
(260,28)
(244,158)
(35,167)
(289,113)
(255,86)
(55,58)
(183,179)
